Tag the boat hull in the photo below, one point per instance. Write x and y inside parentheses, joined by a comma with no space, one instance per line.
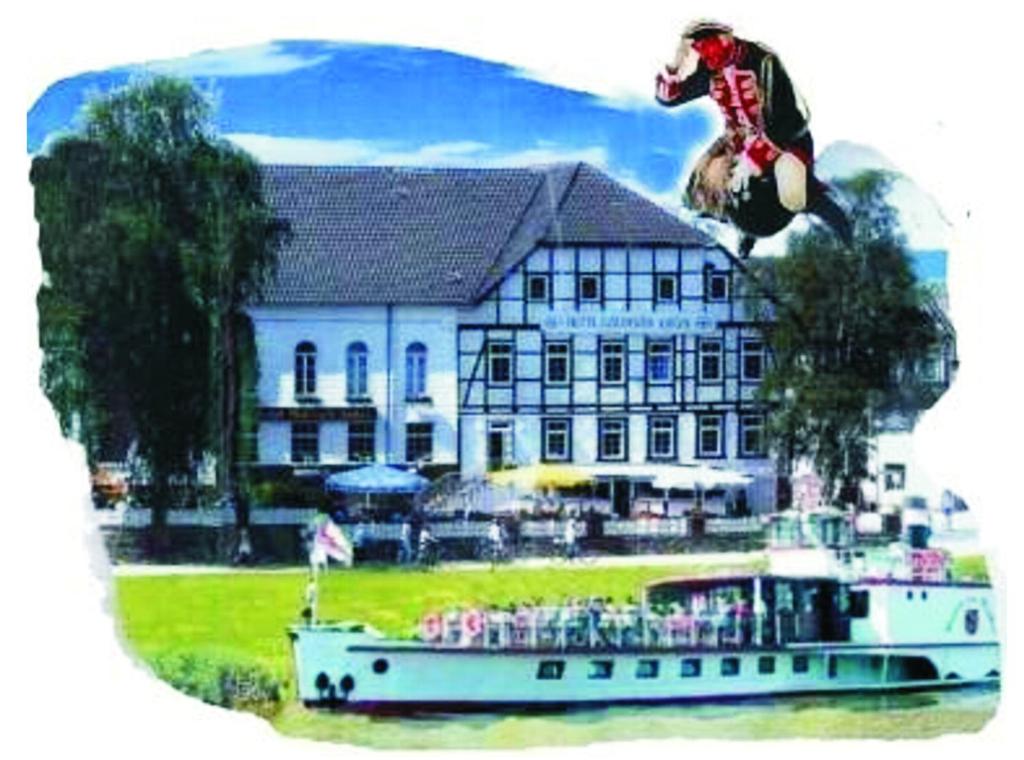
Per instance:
(350,671)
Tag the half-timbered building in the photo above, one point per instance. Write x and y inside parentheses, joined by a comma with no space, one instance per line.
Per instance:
(471,319)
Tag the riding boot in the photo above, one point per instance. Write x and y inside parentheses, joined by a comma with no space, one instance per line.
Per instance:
(823,205)
(747,243)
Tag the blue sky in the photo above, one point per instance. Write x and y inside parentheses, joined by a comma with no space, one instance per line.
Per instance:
(303,102)
(359,104)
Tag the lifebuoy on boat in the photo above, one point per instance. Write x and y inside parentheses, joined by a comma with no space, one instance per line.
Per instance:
(431,627)
(473,622)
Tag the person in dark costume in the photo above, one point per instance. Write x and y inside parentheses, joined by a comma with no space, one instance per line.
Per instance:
(759,174)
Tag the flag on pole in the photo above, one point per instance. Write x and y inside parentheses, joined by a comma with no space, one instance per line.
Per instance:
(329,541)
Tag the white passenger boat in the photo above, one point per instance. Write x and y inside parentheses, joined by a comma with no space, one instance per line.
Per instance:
(827,617)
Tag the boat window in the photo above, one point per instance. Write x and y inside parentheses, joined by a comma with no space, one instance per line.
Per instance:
(766,665)
(910,595)
(380,666)
(600,669)
(690,667)
(647,669)
(833,667)
(800,664)
(730,666)
(550,670)
(859,604)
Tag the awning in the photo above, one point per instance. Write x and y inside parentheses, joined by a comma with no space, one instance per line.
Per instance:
(541,476)
(664,476)
(376,478)
(702,477)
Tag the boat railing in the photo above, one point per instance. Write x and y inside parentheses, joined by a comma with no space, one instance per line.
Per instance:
(555,628)
(569,628)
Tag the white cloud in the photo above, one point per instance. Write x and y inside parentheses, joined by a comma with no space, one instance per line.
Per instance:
(258,60)
(299,150)
(921,218)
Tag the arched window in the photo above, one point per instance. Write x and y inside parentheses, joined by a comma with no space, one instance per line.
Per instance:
(355,367)
(415,371)
(305,369)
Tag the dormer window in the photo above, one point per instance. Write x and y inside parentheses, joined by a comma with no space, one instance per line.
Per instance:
(305,370)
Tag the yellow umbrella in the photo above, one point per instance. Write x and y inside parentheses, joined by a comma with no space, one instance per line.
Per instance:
(537,477)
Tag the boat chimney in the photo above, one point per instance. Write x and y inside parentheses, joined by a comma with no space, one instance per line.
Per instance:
(917,536)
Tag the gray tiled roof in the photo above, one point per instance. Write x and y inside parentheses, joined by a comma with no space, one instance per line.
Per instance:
(396,235)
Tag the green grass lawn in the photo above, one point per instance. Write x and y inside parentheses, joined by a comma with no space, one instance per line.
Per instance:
(246,613)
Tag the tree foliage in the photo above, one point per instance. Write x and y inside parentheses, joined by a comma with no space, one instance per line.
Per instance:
(846,330)
(153,234)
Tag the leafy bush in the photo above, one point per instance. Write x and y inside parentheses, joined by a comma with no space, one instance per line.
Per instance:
(221,679)
(290,493)
(970,568)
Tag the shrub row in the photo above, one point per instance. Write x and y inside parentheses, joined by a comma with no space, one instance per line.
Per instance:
(221,679)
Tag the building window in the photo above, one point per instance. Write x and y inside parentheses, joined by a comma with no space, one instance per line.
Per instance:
(613,362)
(752,360)
(661,438)
(556,363)
(361,442)
(419,441)
(710,360)
(415,371)
(659,362)
(690,667)
(355,367)
(709,435)
(305,442)
(930,368)
(499,363)
(612,439)
(895,477)
(647,669)
(752,443)
(665,288)
(716,285)
(590,288)
(557,443)
(537,287)
(305,369)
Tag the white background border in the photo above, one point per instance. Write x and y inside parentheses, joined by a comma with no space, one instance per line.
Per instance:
(935,90)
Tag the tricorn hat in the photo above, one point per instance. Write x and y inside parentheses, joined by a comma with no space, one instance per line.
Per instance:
(698,30)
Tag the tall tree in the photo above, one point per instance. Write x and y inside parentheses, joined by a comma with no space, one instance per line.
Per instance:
(153,234)
(845,330)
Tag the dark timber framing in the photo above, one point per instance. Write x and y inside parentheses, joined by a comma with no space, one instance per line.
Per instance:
(522,322)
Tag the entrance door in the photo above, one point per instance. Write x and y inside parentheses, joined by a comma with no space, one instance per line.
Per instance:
(499,444)
(620,497)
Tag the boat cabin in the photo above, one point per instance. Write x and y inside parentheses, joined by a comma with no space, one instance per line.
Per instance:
(759,610)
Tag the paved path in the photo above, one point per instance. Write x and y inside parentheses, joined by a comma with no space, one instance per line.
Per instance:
(710,558)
